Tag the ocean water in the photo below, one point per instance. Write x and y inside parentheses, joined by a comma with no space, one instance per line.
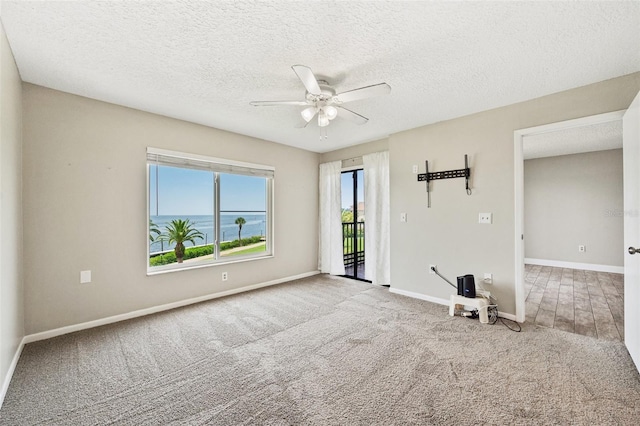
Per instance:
(255,225)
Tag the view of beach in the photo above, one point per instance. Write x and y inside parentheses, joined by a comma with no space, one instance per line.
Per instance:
(255,226)
(182,220)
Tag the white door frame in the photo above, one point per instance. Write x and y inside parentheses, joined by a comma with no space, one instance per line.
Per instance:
(518,160)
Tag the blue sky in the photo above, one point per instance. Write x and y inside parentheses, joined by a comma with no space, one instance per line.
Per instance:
(347,189)
(190,192)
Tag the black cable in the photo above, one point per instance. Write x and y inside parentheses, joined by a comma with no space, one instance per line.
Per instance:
(494,316)
(433,268)
(507,325)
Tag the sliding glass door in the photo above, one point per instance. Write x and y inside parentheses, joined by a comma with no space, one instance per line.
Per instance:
(353,223)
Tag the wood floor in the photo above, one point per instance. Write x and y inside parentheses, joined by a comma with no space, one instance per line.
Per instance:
(584,302)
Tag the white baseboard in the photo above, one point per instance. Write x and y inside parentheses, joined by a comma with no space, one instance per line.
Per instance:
(507,316)
(575,265)
(420,296)
(440,301)
(155,309)
(12,368)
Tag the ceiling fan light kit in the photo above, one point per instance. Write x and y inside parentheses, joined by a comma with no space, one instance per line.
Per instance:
(308,113)
(321,99)
(323,120)
(330,111)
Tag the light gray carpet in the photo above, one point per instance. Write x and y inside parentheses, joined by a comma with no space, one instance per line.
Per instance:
(323,351)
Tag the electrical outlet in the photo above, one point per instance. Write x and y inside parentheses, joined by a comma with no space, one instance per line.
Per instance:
(225,276)
(415,169)
(485,218)
(431,271)
(582,248)
(488,278)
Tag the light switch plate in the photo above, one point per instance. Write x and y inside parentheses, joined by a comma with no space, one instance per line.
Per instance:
(403,217)
(85,277)
(485,218)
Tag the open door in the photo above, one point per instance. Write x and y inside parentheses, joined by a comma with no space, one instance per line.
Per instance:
(631,149)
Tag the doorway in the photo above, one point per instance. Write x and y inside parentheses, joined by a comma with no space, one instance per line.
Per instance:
(353,235)
(525,275)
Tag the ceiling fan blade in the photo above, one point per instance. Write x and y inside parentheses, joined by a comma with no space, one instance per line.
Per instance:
(272,103)
(351,116)
(302,124)
(308,79)
(364,92)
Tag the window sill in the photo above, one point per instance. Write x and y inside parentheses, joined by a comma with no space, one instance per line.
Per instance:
(207,265)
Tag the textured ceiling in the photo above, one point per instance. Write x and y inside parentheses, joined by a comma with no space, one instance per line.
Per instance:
(205,61)
(596,137)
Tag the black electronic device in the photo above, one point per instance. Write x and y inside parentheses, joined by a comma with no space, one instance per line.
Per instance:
(466,283)
(468,286)
(461,286)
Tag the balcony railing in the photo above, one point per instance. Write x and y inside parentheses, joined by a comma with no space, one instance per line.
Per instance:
(353,247)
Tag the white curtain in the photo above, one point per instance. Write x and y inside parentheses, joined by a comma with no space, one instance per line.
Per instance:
(377,263)
(330,251)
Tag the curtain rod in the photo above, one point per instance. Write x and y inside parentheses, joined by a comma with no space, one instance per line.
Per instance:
(353,158)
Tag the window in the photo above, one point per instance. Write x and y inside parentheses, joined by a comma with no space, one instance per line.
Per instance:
(204,211)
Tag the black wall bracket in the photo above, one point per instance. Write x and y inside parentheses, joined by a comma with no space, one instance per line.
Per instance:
(449,174)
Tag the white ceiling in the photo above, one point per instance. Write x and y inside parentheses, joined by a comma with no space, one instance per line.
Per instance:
(595,137)
(205,61)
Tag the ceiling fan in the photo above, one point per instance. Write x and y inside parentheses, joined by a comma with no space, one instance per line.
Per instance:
(321,99)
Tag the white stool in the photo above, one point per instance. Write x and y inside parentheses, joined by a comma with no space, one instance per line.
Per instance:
(480,303)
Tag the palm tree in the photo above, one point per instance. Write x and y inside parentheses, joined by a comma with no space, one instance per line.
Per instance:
(180,231)
(153,229)
(240,221)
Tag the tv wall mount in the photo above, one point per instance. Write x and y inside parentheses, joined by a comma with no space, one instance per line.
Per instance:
(449,174)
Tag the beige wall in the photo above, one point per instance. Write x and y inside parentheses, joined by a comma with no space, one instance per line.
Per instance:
(573,200)
(11,288)
(448,234)
(85,209)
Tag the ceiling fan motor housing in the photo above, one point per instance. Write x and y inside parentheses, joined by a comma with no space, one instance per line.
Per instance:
(327,95)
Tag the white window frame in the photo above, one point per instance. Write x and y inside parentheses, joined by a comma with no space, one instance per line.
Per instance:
(217,166)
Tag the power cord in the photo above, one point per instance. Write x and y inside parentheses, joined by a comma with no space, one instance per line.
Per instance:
(518,330)
(492,312)
(494,315)
(435,271)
